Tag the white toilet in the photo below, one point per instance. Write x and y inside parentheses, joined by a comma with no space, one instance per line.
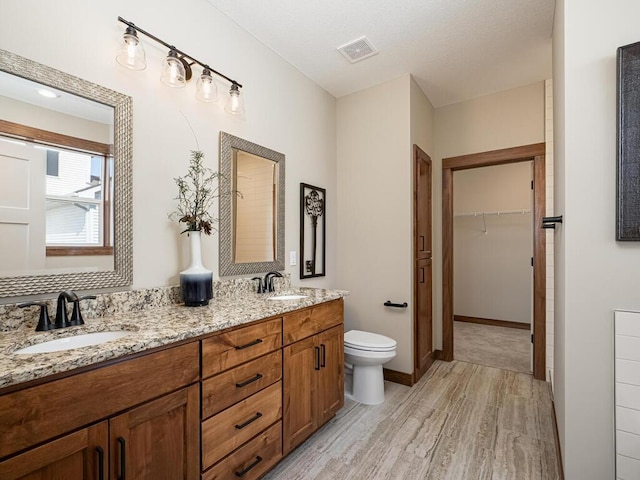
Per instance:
(364,355)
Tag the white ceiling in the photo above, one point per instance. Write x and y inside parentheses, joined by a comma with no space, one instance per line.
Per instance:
(455,49)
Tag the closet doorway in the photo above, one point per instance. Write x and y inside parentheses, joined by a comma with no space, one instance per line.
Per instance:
(530,153)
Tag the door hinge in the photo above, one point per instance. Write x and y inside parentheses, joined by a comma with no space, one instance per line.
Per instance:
(531,184)
(532,261)
(532,338)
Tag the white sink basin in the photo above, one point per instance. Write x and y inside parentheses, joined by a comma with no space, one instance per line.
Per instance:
(288,297)
(69,343)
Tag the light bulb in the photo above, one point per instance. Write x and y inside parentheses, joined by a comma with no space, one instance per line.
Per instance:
(131,54)
(206,89)
(173,71)
(235,104)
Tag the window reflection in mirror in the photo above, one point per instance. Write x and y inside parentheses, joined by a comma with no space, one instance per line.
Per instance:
(255,208)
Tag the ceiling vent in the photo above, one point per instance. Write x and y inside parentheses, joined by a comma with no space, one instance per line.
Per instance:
(358,50)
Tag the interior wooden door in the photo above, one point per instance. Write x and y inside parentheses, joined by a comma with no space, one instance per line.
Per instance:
(80,455)
(159,439)
(422,286)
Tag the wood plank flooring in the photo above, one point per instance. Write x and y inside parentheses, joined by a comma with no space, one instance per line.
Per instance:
(461,421)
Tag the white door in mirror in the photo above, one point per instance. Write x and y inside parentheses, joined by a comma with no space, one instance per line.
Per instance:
(69,343)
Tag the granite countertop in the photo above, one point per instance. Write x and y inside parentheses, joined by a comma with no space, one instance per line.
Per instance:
(150,328)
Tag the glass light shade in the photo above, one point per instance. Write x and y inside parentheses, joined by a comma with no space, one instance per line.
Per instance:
(131,54)
(235,104)
(173,72)
(206,89)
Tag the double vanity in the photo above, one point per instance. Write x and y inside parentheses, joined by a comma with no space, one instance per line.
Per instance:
(148,388)
(216,392)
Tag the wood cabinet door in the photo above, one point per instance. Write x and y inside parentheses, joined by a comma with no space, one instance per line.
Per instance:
(79,455)
(301,362)
(331,374)
(422,204)
(424,320)
(159,439)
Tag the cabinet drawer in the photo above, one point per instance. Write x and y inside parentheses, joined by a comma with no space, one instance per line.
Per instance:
(252,460)
(229,349)
(302,324)
(230,387)
(234,426)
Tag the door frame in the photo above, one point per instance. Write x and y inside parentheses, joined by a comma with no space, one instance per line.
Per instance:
(536,153)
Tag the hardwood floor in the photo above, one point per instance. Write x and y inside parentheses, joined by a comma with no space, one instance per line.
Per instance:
(461,421)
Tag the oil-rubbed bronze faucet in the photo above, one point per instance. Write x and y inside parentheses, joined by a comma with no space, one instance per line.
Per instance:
(62,317)
(268,281)
(266,285)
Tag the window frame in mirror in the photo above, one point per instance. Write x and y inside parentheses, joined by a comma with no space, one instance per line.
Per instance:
(122,274)
(227,265)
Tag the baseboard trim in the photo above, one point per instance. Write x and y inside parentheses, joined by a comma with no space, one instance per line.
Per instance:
(555,428)
(398,377)
(491,321)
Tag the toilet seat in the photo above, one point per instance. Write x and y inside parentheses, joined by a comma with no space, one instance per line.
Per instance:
(368,342)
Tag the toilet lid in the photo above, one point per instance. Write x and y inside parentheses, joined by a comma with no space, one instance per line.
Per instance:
(368,341)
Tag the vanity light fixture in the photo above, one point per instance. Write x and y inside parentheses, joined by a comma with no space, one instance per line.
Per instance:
(176,69)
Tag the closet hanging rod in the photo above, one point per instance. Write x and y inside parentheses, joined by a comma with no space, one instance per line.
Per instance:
(495,212)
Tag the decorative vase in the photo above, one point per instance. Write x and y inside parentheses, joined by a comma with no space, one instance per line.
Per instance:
(196,281)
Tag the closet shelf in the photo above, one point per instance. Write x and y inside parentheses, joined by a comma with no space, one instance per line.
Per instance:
(495,212)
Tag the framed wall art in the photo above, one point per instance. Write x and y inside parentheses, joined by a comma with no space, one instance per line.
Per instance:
(628,168)
(313,206)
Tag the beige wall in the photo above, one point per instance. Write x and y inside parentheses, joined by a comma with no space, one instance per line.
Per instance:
(492,270)
(506,119)
(500,187)
(286,112)
(376,128)
(596,273)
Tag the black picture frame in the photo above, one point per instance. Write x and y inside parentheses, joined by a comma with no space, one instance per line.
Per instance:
(313,231)
(628,153)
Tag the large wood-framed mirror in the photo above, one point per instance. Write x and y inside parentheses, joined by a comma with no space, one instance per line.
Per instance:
(65,158)
(251,207)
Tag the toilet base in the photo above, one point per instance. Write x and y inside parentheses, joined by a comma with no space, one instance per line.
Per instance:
(368,384)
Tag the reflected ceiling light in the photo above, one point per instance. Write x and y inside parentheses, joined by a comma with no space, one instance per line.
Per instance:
(47,93)
(176,69)
(131,54)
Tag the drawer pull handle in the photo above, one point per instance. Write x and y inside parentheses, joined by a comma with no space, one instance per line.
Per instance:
(123,461)
(100,452)
(250,344)
(250,381)
(242,473)
(250,421)
(317,366)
